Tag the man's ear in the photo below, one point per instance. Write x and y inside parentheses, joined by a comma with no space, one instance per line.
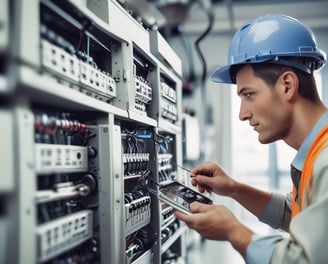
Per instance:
(289,82)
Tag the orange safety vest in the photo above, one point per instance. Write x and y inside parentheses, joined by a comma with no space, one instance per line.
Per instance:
(319,143)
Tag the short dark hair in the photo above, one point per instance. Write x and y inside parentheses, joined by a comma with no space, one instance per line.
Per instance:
(270,72)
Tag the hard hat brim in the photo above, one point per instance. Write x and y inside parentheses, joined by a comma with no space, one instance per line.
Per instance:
(222,75)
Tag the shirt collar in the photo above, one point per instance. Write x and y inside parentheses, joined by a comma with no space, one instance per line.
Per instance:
(299,159)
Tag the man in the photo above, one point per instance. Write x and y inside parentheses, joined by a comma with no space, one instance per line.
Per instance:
(272,59)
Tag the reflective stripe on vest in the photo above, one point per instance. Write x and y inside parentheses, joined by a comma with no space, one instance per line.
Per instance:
(319,143)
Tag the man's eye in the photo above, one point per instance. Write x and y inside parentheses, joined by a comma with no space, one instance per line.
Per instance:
(248,95)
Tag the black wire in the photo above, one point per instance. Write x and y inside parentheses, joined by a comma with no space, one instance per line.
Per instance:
(187,48)
(210,16)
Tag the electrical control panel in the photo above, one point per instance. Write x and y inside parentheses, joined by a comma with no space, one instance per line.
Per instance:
(92,126)
(75,51)
(138,156)
(66,184)
(169,98)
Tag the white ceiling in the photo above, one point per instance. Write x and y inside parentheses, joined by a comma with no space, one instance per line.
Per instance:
(230,15)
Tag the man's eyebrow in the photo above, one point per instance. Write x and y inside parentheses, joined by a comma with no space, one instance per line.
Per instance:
(241,91)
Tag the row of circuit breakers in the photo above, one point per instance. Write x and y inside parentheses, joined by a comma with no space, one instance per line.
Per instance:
(82,59)
(105,119)
(67,197)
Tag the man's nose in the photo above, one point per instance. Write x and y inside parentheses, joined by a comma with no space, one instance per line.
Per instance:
(244,113)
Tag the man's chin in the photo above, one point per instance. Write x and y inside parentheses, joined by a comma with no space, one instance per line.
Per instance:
(264,140)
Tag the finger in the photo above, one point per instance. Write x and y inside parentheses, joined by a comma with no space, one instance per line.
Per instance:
(209,189)
(193,182)
(200,169)
(197,207)
(182,216)
(204,181)
(201,188)
(205,168)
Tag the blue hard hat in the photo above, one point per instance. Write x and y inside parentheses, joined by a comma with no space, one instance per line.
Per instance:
(271,38)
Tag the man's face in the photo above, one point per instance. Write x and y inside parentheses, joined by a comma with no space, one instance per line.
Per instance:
(263,106)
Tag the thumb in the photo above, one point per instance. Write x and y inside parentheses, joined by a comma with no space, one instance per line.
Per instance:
(197,207)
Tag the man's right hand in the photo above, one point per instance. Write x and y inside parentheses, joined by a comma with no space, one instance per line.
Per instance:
(211,177)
